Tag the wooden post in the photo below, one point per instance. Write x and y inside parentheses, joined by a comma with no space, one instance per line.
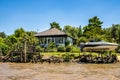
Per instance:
(0,54)
(21,57)
(12,57)
(90,55)
(25,51)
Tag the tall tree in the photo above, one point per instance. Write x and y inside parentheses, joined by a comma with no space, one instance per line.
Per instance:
(94,29)
(115,32)
(19,32)
(55,25)
(79,31)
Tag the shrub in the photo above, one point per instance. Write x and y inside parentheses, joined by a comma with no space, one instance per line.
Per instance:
(50,46)
(39,49)
(67,43)
(67,57)
(118,49)
(75,49)
(61,49)
(68,48)
(4,48)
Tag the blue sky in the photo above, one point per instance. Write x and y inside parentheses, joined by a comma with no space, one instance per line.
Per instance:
(35,15)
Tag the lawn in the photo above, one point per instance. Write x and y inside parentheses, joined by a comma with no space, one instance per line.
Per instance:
(59,54)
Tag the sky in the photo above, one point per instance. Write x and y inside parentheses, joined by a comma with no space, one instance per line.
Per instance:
(36,15)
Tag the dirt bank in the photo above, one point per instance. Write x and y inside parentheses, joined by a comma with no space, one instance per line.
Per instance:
(62,71)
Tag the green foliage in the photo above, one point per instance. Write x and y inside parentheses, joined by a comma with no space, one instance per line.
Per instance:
(74,32)
(118,49)
(39,49)
(93,30)
(55,25)
(67,57)
(61,49)
(11,40)
(67,43)
(1,40)
(79,34)
(2,34)
(115,33)
(68,48)
(50,46)
(81,39)
(68,29)
(16,40)
(19,32)
(112,34)
(75,49)
(95,22)
(4,48)
(32,40)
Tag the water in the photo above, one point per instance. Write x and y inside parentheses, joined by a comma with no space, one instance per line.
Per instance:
(62,71)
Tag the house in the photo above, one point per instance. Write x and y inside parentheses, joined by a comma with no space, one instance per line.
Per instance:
(53,35)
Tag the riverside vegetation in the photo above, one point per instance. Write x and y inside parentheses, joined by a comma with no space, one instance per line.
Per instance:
(14,45)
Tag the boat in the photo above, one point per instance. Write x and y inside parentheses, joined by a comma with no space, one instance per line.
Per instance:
(97,46)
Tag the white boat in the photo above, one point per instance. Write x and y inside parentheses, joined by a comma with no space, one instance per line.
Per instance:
(95,46)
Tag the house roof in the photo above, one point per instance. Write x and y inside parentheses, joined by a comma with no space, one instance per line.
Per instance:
(51,32)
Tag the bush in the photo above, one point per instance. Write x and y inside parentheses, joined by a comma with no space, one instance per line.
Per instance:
(39,49)
(118,49)
(4,48)
(68,48)
(75,49)
(72,49)
(61,49)
(67,43)
(67,57)
(50,46)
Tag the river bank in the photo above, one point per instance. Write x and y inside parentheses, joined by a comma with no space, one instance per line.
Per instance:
(62,71)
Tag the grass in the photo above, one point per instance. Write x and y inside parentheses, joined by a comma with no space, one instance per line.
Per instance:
(59,54)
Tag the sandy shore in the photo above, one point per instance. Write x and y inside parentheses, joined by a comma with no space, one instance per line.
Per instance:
(62,71)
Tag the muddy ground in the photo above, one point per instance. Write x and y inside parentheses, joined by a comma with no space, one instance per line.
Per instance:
(62,71)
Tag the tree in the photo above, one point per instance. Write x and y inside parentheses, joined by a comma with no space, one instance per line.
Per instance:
(74,32)
(112,34)
(3,46)
(2,34)
(115,33)
(55,25)
(79,31)
(19,32)
(11,40)
(68,29)
(31,38)
(94,29)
